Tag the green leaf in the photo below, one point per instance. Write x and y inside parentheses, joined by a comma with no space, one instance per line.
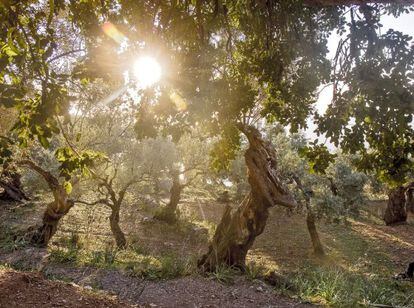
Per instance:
(43,141)
(368,119)
(9,51)
(68,187)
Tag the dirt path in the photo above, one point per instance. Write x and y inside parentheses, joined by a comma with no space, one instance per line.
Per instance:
(191,291)
(27,290)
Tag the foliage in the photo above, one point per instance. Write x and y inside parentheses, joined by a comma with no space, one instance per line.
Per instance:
(372,114)
(348,194)
(71,162)
(318,156)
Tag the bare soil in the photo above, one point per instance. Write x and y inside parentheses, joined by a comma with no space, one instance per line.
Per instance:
(26,290)
(190,291)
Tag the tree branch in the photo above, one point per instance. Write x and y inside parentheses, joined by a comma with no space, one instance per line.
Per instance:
(104,201)
(51,180)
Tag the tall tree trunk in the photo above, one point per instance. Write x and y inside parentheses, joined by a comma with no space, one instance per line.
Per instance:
(313,232)
(396,209)
(169,212)
(53,214)
(310,218)
(410,200)
(116,229)
(239,228)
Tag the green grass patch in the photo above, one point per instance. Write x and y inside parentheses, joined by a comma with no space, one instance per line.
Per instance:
(10,241)
(337,287)
(224,274)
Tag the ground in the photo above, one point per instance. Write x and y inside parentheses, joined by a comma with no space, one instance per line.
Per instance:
(158,268)
(32,290)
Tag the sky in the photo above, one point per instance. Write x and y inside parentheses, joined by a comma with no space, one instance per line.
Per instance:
(405,24)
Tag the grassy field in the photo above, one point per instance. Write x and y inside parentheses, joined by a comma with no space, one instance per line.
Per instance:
(362,254)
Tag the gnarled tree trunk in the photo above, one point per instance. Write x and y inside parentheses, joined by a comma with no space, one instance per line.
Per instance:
(239,228)
(396,210)
(116,229)
(54,211)
(169,212)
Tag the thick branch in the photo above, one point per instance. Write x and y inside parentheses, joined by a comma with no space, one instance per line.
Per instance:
(50,179)
(103,201)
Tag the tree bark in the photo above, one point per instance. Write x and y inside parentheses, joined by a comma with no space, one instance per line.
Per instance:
(169,212)
(239,228)
(54,211)
(119,236)
(53,214)
(310,218)
(396,209)
(313,232)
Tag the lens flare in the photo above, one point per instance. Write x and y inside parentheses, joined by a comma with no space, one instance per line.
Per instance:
(109,29)
(147,71)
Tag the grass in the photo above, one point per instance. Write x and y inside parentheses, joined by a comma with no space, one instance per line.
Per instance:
(132,260)
(9,241)
(224,274)
(336,287)
(255,271)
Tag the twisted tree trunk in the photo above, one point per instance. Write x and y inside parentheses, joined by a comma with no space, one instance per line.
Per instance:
(239,228)
(116,229)
(396,209)
(55,210)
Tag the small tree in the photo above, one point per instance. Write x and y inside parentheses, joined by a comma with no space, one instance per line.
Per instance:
(327,189)
(113,198)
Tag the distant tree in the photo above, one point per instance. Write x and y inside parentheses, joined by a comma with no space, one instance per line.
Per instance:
(113,197)
(313,190)
(188,162)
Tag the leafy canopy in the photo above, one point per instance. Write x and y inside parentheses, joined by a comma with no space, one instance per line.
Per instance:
(225,63)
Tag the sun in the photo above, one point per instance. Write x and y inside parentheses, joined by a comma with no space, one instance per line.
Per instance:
(147,71)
